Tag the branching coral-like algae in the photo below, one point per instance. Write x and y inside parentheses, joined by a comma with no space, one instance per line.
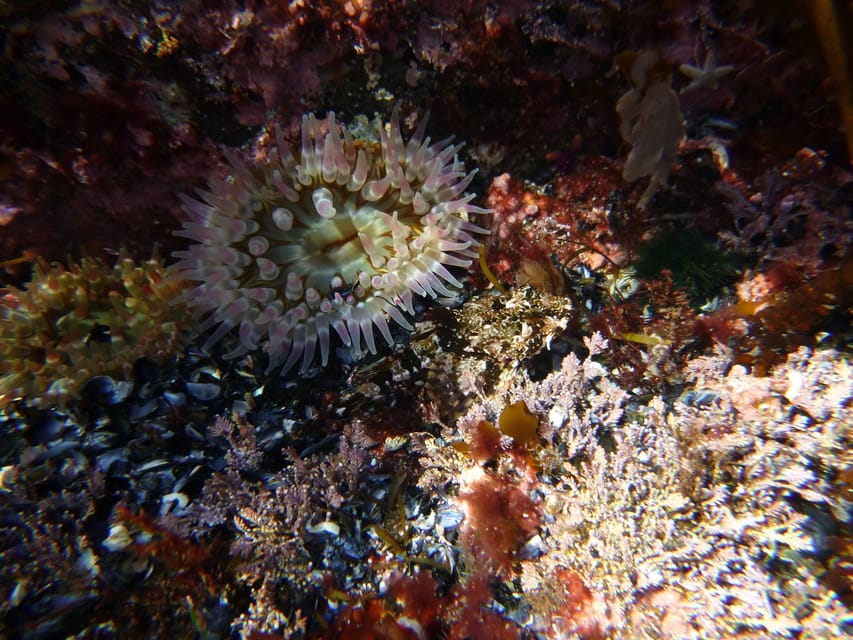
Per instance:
(72,323)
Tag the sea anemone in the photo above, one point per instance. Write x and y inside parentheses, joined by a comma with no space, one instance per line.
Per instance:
(341,240)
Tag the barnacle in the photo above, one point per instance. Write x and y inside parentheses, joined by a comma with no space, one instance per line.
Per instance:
(71,324)
(290,251)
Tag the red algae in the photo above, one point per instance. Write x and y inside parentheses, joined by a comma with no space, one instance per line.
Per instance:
(577,614)
(486,442)
(782,309)
(471,616)
(500,517)
(409,611)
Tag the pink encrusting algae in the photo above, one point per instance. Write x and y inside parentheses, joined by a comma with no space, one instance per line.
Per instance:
(339,240)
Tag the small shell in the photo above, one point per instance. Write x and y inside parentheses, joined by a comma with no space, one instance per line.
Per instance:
(395,443)
(18,593)
(327,527)
(138,412)
(534,548)
(450,518)
(8,476)
(118,539)
(174,502)
(105,461)
(203,391)
(152,465)
(177,400)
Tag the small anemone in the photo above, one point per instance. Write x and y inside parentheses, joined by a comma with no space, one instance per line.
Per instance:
(290,251)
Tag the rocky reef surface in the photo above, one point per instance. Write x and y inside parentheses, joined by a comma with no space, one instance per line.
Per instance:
(615,398)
